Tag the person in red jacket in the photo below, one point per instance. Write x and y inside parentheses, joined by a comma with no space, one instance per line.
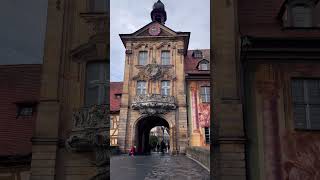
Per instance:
(132,151)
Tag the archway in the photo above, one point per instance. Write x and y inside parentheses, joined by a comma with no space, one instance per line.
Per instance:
(142,132)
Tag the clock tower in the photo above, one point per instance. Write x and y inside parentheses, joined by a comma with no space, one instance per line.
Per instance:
(159,13)
(153,91)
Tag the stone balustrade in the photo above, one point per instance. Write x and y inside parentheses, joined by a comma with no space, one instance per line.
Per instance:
(153,104)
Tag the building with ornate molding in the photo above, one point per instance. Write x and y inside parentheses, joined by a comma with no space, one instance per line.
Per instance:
(71,129)
(266,89)
(165,84)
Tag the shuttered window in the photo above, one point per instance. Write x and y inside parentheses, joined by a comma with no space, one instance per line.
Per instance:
(96,83)
(143,57)
(306,103)
(302,16)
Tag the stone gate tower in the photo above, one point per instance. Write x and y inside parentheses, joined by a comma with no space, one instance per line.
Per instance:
(153,88)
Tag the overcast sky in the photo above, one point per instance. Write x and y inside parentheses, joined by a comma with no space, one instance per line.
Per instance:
(22,32)
(127,16)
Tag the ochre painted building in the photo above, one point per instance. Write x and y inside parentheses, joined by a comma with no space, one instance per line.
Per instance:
(164,84)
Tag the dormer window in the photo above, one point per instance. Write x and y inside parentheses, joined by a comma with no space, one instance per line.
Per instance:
(299,14)
(204,65)
(197,54)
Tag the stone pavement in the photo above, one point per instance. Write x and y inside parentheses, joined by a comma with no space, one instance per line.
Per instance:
(156,167)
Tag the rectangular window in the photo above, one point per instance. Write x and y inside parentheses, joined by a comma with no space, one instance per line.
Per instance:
(165,88)
(141,88)
(143,58)
(205,94)
(165,57)
(207,134)
(96,83)
(25,110)
(306,103)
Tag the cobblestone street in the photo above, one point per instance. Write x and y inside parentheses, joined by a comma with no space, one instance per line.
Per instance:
(156,167)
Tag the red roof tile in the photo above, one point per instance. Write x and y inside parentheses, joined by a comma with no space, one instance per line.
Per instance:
(19,83)
(190,64)
(115,88)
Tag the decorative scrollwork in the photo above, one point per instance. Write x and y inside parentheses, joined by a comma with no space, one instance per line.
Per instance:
(155,72)
(90,125)
(153,104)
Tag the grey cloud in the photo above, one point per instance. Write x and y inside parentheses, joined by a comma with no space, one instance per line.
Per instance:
(22,39)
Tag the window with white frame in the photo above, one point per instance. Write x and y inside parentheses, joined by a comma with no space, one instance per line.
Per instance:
(165,88)
(204,65)
(207,134)
(205,94)
(306,103)
(143,58)
(141,87)
(165,57)
(96,83)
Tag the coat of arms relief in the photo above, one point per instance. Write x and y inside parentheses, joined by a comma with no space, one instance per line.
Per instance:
(155,72)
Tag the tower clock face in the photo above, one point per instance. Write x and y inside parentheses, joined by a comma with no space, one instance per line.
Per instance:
(154,30)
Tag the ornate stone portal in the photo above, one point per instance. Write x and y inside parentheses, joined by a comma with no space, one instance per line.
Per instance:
(153,104)
(90,133)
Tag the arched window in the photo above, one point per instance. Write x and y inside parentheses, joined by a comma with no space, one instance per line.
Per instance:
(96,83)
(301,16)
(204,65)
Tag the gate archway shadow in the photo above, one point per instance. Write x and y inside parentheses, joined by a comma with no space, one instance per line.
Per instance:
(142,131)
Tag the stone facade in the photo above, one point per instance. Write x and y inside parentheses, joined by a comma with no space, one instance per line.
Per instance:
(75,37)
(259,130)
(171,108)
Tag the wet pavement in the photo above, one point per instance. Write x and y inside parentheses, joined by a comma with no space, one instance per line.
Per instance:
(156,167)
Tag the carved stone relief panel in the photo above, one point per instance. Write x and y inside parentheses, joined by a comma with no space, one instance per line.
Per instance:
(155,72)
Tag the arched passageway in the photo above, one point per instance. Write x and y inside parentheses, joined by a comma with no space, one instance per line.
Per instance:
(142,132)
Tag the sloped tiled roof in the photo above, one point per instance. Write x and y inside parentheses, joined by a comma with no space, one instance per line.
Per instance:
(19,83)
(260,19)
(115,88)
(190,64)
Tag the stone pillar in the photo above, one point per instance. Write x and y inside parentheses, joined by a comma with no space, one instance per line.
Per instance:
(228,133)
(45,138)
(124,111)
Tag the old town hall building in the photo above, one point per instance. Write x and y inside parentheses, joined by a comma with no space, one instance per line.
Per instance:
(165,84)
